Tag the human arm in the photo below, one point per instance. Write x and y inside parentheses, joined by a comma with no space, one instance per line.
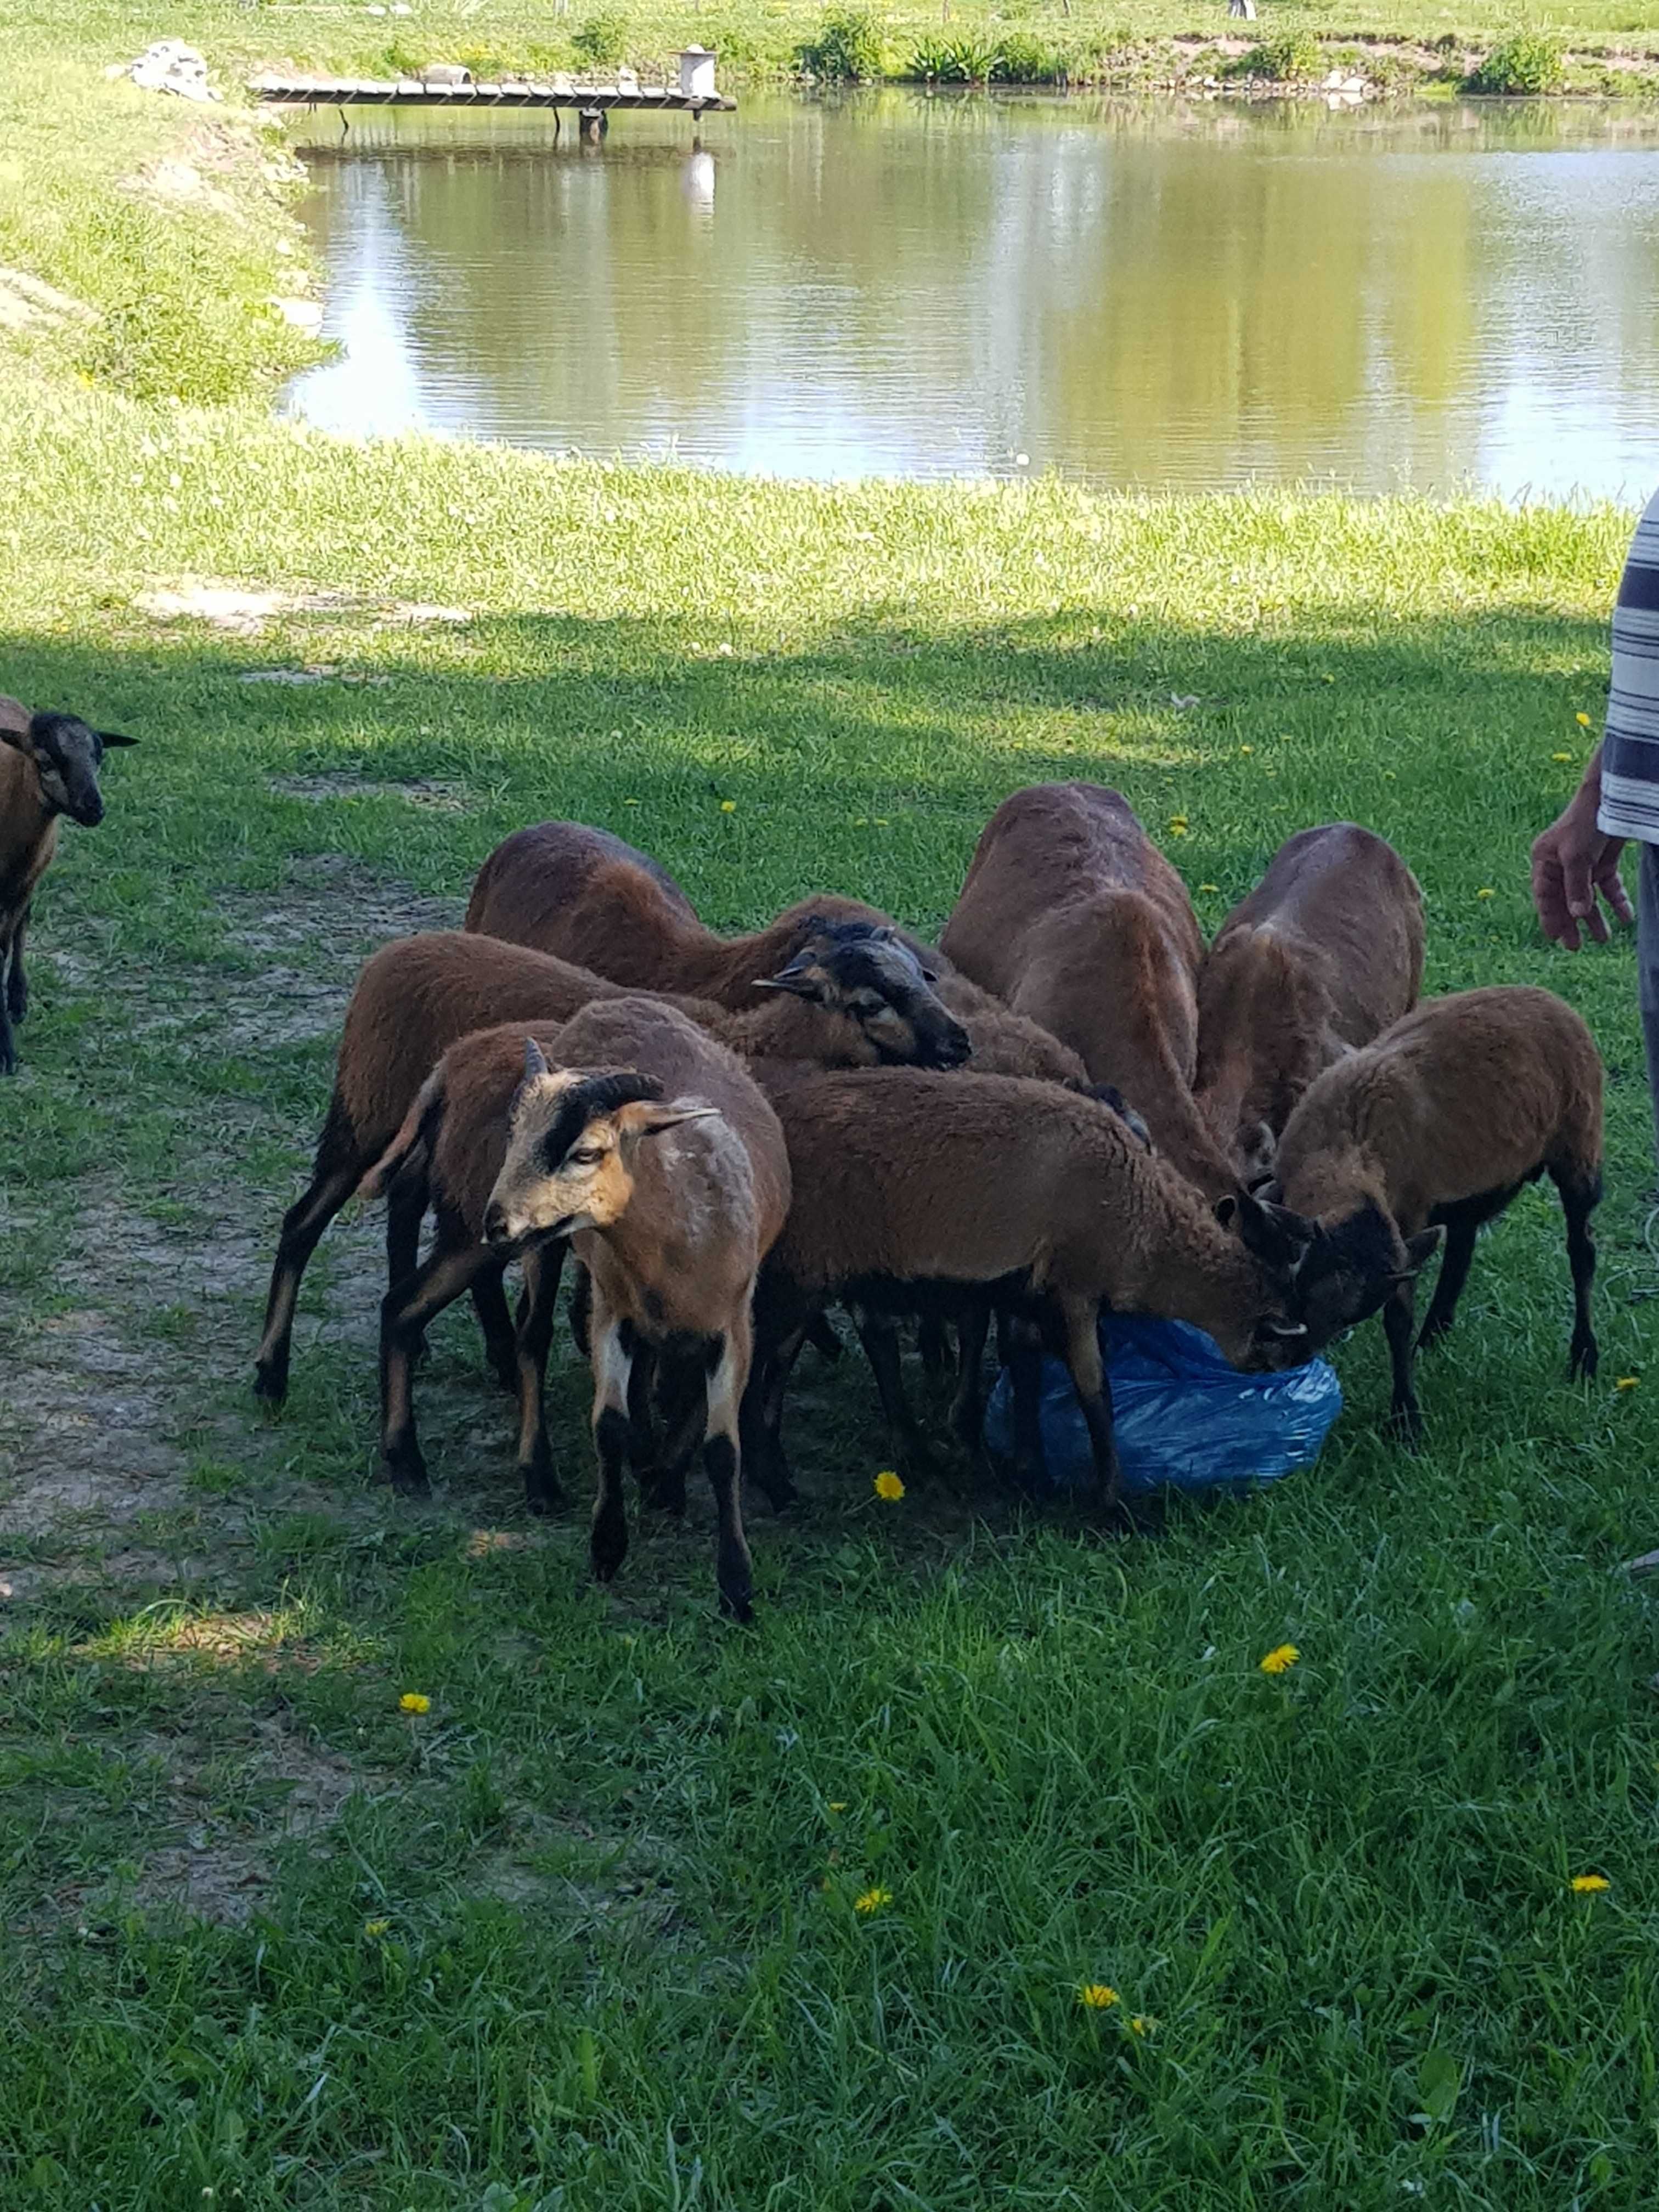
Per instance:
(1574,864)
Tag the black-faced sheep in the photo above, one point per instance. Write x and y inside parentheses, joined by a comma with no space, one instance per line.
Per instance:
(1436,1126)
(49,766)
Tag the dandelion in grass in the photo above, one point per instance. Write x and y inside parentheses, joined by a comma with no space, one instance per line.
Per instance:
(1096,1996)
(1178,825)
(1141,2023)
(1561,756)
(1582,718)
(728,806)
(1280,1659)
(376,1929)
(1210,887)
(889,1487)
(873,1901)
(412,1701)
(837,1804)
(1247,749)
(1627,1383)
(1485,892)
(1587,1885)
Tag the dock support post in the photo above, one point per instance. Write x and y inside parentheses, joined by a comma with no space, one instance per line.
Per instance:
(592,124)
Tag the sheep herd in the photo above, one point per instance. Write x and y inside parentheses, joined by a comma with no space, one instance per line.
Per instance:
(1071,1105)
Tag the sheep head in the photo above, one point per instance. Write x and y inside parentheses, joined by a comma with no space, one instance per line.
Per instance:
(66,754)
(573,1139)
(865,973)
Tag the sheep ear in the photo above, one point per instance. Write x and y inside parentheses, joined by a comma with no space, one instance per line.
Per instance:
(645,1118)
(114,737)
(1278,1237)
(802,979)
(535,1060)
(19,740)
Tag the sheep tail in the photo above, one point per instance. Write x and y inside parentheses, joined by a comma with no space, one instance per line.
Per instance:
(419,1128)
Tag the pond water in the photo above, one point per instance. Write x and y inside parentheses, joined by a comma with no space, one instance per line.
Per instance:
(901,285)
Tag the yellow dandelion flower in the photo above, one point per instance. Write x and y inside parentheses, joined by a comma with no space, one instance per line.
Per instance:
(1280,1659)
(872,1900)
(1582,718)
(376,1927)
(1561,756)
(413,1702)
(1177,825)
(1588,1884)
(728,806)
(1095,1997)
(1246,749)
(1627,1383)
(888,1486)
(837,1804)
(1486,892)
(1210,887)
(1142,2023)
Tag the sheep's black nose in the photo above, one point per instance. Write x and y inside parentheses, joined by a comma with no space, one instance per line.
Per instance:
(90,813)
(956,1046)
(494,1222)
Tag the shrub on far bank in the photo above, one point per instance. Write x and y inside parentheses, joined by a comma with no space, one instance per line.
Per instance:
(602,36)
(1024,58)
(960,58)
(1528,62)
(1290,58)
(848,49)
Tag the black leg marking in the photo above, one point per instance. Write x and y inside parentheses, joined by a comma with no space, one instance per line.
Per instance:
(967,1406)
(1022,1345)
(404,1314)
(608,1544)
(336,1175)
(533,1337)
(1405,1415)
(501,1346)
(17,983)
(878,1336)
(581,1308)
(1578,1202)
(732,1569)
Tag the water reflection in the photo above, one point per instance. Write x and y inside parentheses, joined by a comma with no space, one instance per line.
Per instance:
(1137,295)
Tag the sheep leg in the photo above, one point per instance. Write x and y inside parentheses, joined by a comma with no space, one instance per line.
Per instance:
(681,1400)
(532,1339)
(581,1308)
(1405,1415)
(404,1313)
(333,1180)
(406,1209)
(931,1347)
(723,1463)
(878,1336)
(500,1333)
(763,1418)
(7,1042)
(1020,1342)
(1094,1394)
(613,1361)
(967,1406)
(1453,1273)
(17,983)
(1578,1201)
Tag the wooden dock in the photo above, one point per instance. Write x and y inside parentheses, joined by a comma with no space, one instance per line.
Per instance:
(587,99)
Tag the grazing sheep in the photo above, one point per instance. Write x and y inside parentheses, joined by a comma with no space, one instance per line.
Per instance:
(1072,914)
(49,767)
(902,1178)
(526,1154)
(551,886)
(1320,958)
(1436,1126)
(851,995)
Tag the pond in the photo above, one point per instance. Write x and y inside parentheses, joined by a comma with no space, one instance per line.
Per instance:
(1134,294)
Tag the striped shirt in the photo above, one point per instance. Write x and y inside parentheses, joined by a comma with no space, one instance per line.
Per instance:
(1630,751)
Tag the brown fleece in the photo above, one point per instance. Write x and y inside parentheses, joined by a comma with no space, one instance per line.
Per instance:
(1070,914)
(967,1178)
(1321,956)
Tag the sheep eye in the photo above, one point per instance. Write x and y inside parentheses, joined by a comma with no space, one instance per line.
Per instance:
(866,1002)
(587,1156)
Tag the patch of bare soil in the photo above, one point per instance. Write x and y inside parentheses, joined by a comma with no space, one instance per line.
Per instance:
(431,792)
(113,1390)
(26,302)
(245,609)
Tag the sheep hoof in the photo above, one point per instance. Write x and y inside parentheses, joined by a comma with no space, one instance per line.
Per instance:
(271,1383)
(736,1600)
(1583,1361)
(406,1470)
(607,1547)
(1406,1427)
(1436,1326)
(542,1493)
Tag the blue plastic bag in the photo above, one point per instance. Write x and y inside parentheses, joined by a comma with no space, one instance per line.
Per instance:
(1183,1417)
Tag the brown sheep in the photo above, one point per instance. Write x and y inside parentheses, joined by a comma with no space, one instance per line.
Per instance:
(49,767)
(1320,958)
(525,1154)
(605,906)
(1070,914)
(852,995)
(902,1178)
(1436,1126)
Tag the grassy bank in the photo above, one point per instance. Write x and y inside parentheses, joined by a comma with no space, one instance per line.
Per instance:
(586,1931)
(174,270)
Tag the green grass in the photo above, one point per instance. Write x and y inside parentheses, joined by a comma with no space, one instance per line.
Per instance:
(616,1861)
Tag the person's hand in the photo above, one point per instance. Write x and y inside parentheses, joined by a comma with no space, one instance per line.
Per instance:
(1574,866)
